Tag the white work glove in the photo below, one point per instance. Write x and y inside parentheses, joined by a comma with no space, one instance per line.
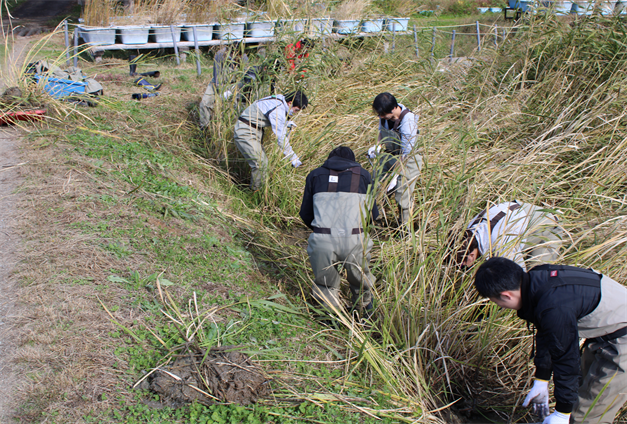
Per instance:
(374,151)
(291,124)
(557,418)
(227,94)
(393,183)
(538,396)
(296,162)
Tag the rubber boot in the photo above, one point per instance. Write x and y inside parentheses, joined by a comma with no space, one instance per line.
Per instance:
(132,65)
(139,96)
(141,82)
(154,74)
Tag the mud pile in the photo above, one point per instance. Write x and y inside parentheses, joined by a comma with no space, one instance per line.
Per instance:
(225,375)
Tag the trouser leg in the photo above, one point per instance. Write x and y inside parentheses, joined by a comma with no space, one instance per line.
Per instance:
(248,141)
(207,105)
(409,170)
(358,272)
(323,259)
(603,370)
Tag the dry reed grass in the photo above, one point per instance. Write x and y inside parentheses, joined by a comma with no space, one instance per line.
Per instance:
(164,12)
(353,9)
(543,124)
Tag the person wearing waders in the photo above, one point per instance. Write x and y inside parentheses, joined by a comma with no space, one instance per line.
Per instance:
(397,151)
(222,84)
(565,303)
(527,234)
(336,204)
(267,112)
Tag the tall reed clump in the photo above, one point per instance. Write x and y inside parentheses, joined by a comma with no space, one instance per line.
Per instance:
(353,9)
(105,12)
(540,120)
(100,12)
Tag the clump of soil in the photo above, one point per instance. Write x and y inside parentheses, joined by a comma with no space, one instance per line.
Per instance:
(225,374)
(13,98)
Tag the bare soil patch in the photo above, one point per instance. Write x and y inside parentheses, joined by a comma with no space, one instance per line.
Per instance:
(222,375)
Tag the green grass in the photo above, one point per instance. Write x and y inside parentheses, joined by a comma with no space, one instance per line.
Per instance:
(147,213)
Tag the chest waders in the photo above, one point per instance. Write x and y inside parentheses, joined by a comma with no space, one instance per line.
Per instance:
(407,168)
(603,357)
(207,105)
(603,379)
(542,238)
(338,239)
(248,135)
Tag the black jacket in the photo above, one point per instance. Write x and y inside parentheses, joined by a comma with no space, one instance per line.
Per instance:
(318,181)
(554,298)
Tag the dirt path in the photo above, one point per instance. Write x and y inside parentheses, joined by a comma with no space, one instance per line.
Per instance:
(10,243)
(10,179)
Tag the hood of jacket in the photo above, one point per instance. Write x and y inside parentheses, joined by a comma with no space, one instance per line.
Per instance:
(338,163)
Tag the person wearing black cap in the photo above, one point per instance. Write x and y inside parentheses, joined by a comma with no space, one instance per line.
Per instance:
(336,204)
(565,303)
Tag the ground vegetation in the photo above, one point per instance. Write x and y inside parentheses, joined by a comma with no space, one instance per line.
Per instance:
(143,244)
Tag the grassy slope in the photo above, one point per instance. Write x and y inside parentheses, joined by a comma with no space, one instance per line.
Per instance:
(116,199)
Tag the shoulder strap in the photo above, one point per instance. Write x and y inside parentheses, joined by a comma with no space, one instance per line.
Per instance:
(496,217)
(356,175)
(500,215)
(397,123)
(267,114)
(564,275)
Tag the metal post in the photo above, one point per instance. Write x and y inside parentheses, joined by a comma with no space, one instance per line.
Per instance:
(450,56)
(198,70)
(478,37)
(393,37)
(67,44)
(75,48)
(416,41)
(176,49)
(433,42)
(496,35)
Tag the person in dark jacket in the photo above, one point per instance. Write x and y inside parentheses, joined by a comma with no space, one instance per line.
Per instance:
(565,303)
(336,205)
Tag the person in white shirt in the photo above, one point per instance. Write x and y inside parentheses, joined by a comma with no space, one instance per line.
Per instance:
(397,150)
(524,233)
(267,112)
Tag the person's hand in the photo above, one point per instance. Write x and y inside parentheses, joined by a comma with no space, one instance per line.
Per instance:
(291,124)
(227,94)
(557,418)
(374,151)
(538,396)
(296,162)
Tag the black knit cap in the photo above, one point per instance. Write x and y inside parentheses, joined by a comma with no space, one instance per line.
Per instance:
(343,152)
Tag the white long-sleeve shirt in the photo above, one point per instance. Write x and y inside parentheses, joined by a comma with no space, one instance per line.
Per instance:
(408,130)
(278,120)
(508,234)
